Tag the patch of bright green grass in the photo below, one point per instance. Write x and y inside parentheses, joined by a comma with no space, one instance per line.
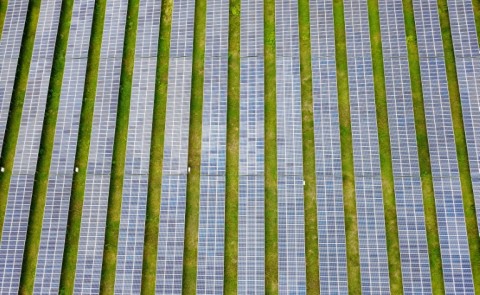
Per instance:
(67,277)
(348,173)
(388,185)
(16,104)
(310,192)
(271,218)
(3,12)
(114,209)
(461,144)
(149,267)
(431,225)
(40,186)
(233,123)
(476,12)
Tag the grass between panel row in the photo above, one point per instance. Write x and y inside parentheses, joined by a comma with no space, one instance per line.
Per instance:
(152,219)
(233,125)
(114,209)
(476,12)
(309,175)
(16,104)
(461,144)
(348,173)
(40,185)
(189,279)
(431,225)
(3,12)
(386,167)
(72,237)
(271,217)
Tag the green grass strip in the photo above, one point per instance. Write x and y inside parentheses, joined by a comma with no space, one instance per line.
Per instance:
(271,217)
(114,210)
(189,279)
(309,172)
(348,173)
(431,225)
(16,104)
(461,144)
(40,185)
(233,135)
(3,12)
(476,12)
(67,276)
(152,219)
(386,167)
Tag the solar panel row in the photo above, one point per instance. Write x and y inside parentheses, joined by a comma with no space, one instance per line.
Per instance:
(406,171)
(448,195)
(132,220)
(10,48)
(174,178)
(368,183)
(330,210)
(212,168)
(92,232)
(467,55)
(18,204)
(291,228)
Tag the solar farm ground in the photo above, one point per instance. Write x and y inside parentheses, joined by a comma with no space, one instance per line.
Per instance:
(242,146)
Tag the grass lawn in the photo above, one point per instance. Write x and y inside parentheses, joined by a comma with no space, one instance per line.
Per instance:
(233,125)
(149,266)
(3,12)
(114,210)
(436,271)
(461,144)
(348,173)
(310,192)
(388,185)
(476,11)
(189,282)
(271,218)
(40,186)
(67,277)
(16,104)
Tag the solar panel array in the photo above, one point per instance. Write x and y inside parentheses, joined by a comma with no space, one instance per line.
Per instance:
(446,181)
(21,184)
(467,56)
(58,194)
(174,178)
(211,229)
(92,232)
(406,170)
(368,182)
(330,210)
(291,223)
(9,50)
(135,184)
(251,198)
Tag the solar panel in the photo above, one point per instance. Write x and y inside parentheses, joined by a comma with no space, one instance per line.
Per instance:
(211,235)
(406,171)
(18,204)
(467,57)
(171,234)
(291,230)
(330,209)
(175,157)
(214,134)
(9,50)
(135,185)
(251,210)
(368,182)
(90,249)
(448,196)
(251,28)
